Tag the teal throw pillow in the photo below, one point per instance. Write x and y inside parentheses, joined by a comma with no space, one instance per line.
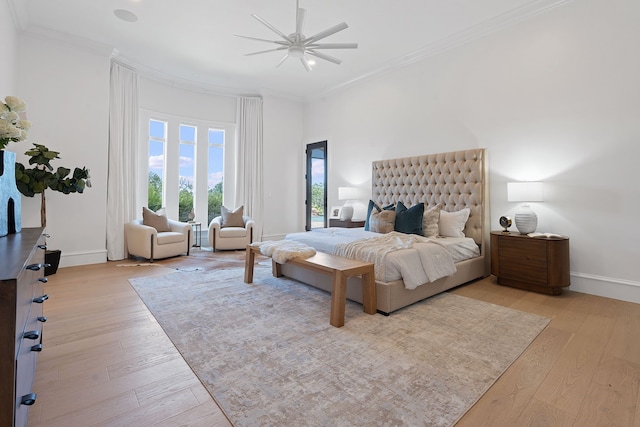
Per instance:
(409,220)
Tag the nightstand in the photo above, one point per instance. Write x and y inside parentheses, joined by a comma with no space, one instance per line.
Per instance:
(345,224)
(539,264)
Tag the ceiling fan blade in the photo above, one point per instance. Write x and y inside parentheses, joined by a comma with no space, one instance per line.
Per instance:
(263,40)
(300,17)
(272,28)
(305,64)
(326,33)
(284,58)
(325,57)
(265,51)
(332,46)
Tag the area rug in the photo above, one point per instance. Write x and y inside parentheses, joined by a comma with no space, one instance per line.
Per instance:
(268,356)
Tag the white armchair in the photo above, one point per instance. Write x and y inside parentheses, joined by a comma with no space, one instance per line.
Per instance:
(145,241)
(230,237)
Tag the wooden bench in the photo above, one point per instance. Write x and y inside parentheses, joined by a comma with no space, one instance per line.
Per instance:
(338,267)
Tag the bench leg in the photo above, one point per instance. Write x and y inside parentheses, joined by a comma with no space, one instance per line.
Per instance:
(369,298)
(249,260)
(276,269)
(338,299)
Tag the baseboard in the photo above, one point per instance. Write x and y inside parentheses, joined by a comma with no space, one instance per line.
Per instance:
(72,259)
(273,237)
(625,290)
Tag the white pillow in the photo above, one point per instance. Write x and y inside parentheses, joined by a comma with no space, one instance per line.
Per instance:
(451,224)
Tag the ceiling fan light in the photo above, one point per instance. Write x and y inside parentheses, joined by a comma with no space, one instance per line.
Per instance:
(296,51)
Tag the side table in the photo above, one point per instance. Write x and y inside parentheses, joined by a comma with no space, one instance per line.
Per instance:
(197,234)
(539,264)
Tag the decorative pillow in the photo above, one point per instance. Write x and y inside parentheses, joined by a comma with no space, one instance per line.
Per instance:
(430,221)
(409,221)
(382,221)
(452,224)
(370,208)
(232,218)
(152,219)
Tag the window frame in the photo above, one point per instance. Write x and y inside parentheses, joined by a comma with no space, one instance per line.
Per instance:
(171,163)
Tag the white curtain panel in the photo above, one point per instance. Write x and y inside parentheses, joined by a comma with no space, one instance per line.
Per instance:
(123,133)
(249,191)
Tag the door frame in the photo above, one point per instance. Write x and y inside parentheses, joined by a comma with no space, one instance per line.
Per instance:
(308,152)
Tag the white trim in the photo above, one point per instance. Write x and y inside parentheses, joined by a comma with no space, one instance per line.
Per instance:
(608,287)
(72,259)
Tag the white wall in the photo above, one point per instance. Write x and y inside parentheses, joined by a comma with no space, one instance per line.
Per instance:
(8,53)
(66,88)
(554,98)
(284,167)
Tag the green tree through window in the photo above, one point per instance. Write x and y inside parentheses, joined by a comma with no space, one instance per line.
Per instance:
(215,201)
(155,191)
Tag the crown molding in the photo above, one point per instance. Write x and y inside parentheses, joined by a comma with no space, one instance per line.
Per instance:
(79,42)
(508,19)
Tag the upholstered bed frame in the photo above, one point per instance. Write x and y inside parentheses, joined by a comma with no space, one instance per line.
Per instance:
(456,180)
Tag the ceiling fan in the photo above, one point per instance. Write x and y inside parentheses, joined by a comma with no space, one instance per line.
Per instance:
(297,45)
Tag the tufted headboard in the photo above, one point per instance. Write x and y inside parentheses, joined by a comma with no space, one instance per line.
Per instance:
(457,180)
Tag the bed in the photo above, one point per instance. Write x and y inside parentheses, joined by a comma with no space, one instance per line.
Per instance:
(454,180)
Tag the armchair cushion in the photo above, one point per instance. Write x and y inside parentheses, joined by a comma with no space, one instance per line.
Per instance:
(232,218)
(157,221)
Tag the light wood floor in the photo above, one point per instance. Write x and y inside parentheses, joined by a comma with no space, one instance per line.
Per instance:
(106,361)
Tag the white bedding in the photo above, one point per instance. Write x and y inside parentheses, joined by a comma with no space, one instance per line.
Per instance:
(397,262)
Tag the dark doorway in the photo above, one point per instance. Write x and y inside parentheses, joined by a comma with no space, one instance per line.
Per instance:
(316,177)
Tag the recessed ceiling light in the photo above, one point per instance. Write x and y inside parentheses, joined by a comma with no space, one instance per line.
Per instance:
(125,15)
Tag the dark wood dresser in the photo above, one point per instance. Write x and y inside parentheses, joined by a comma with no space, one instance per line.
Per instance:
(21,300)
(539,264)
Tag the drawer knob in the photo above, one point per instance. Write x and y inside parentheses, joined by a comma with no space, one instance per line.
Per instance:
(28,399)
(34,267)
(42,319)
(43,247)
(37,347)
(43,280)
(41,299)
(32,335)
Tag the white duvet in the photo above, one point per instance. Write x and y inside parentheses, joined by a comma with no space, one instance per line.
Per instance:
(414,264)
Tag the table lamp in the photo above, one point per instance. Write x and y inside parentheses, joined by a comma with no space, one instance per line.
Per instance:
(525,191)
(348,194)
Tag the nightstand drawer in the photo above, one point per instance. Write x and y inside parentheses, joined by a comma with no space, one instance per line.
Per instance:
(519,260)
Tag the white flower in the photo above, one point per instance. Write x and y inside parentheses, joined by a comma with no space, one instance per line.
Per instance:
(12,127)
(15,104)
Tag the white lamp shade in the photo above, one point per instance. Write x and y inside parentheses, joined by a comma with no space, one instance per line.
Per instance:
(525,191)
(348,193)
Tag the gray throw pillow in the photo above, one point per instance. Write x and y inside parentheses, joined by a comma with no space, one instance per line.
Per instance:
(157,221)
(232,218)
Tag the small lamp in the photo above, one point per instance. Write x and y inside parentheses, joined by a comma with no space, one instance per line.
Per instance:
(348,194)
(525,191)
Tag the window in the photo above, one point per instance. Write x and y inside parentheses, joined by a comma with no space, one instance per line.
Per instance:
(186,166)
(187,173)
(215,173)
(157,142)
